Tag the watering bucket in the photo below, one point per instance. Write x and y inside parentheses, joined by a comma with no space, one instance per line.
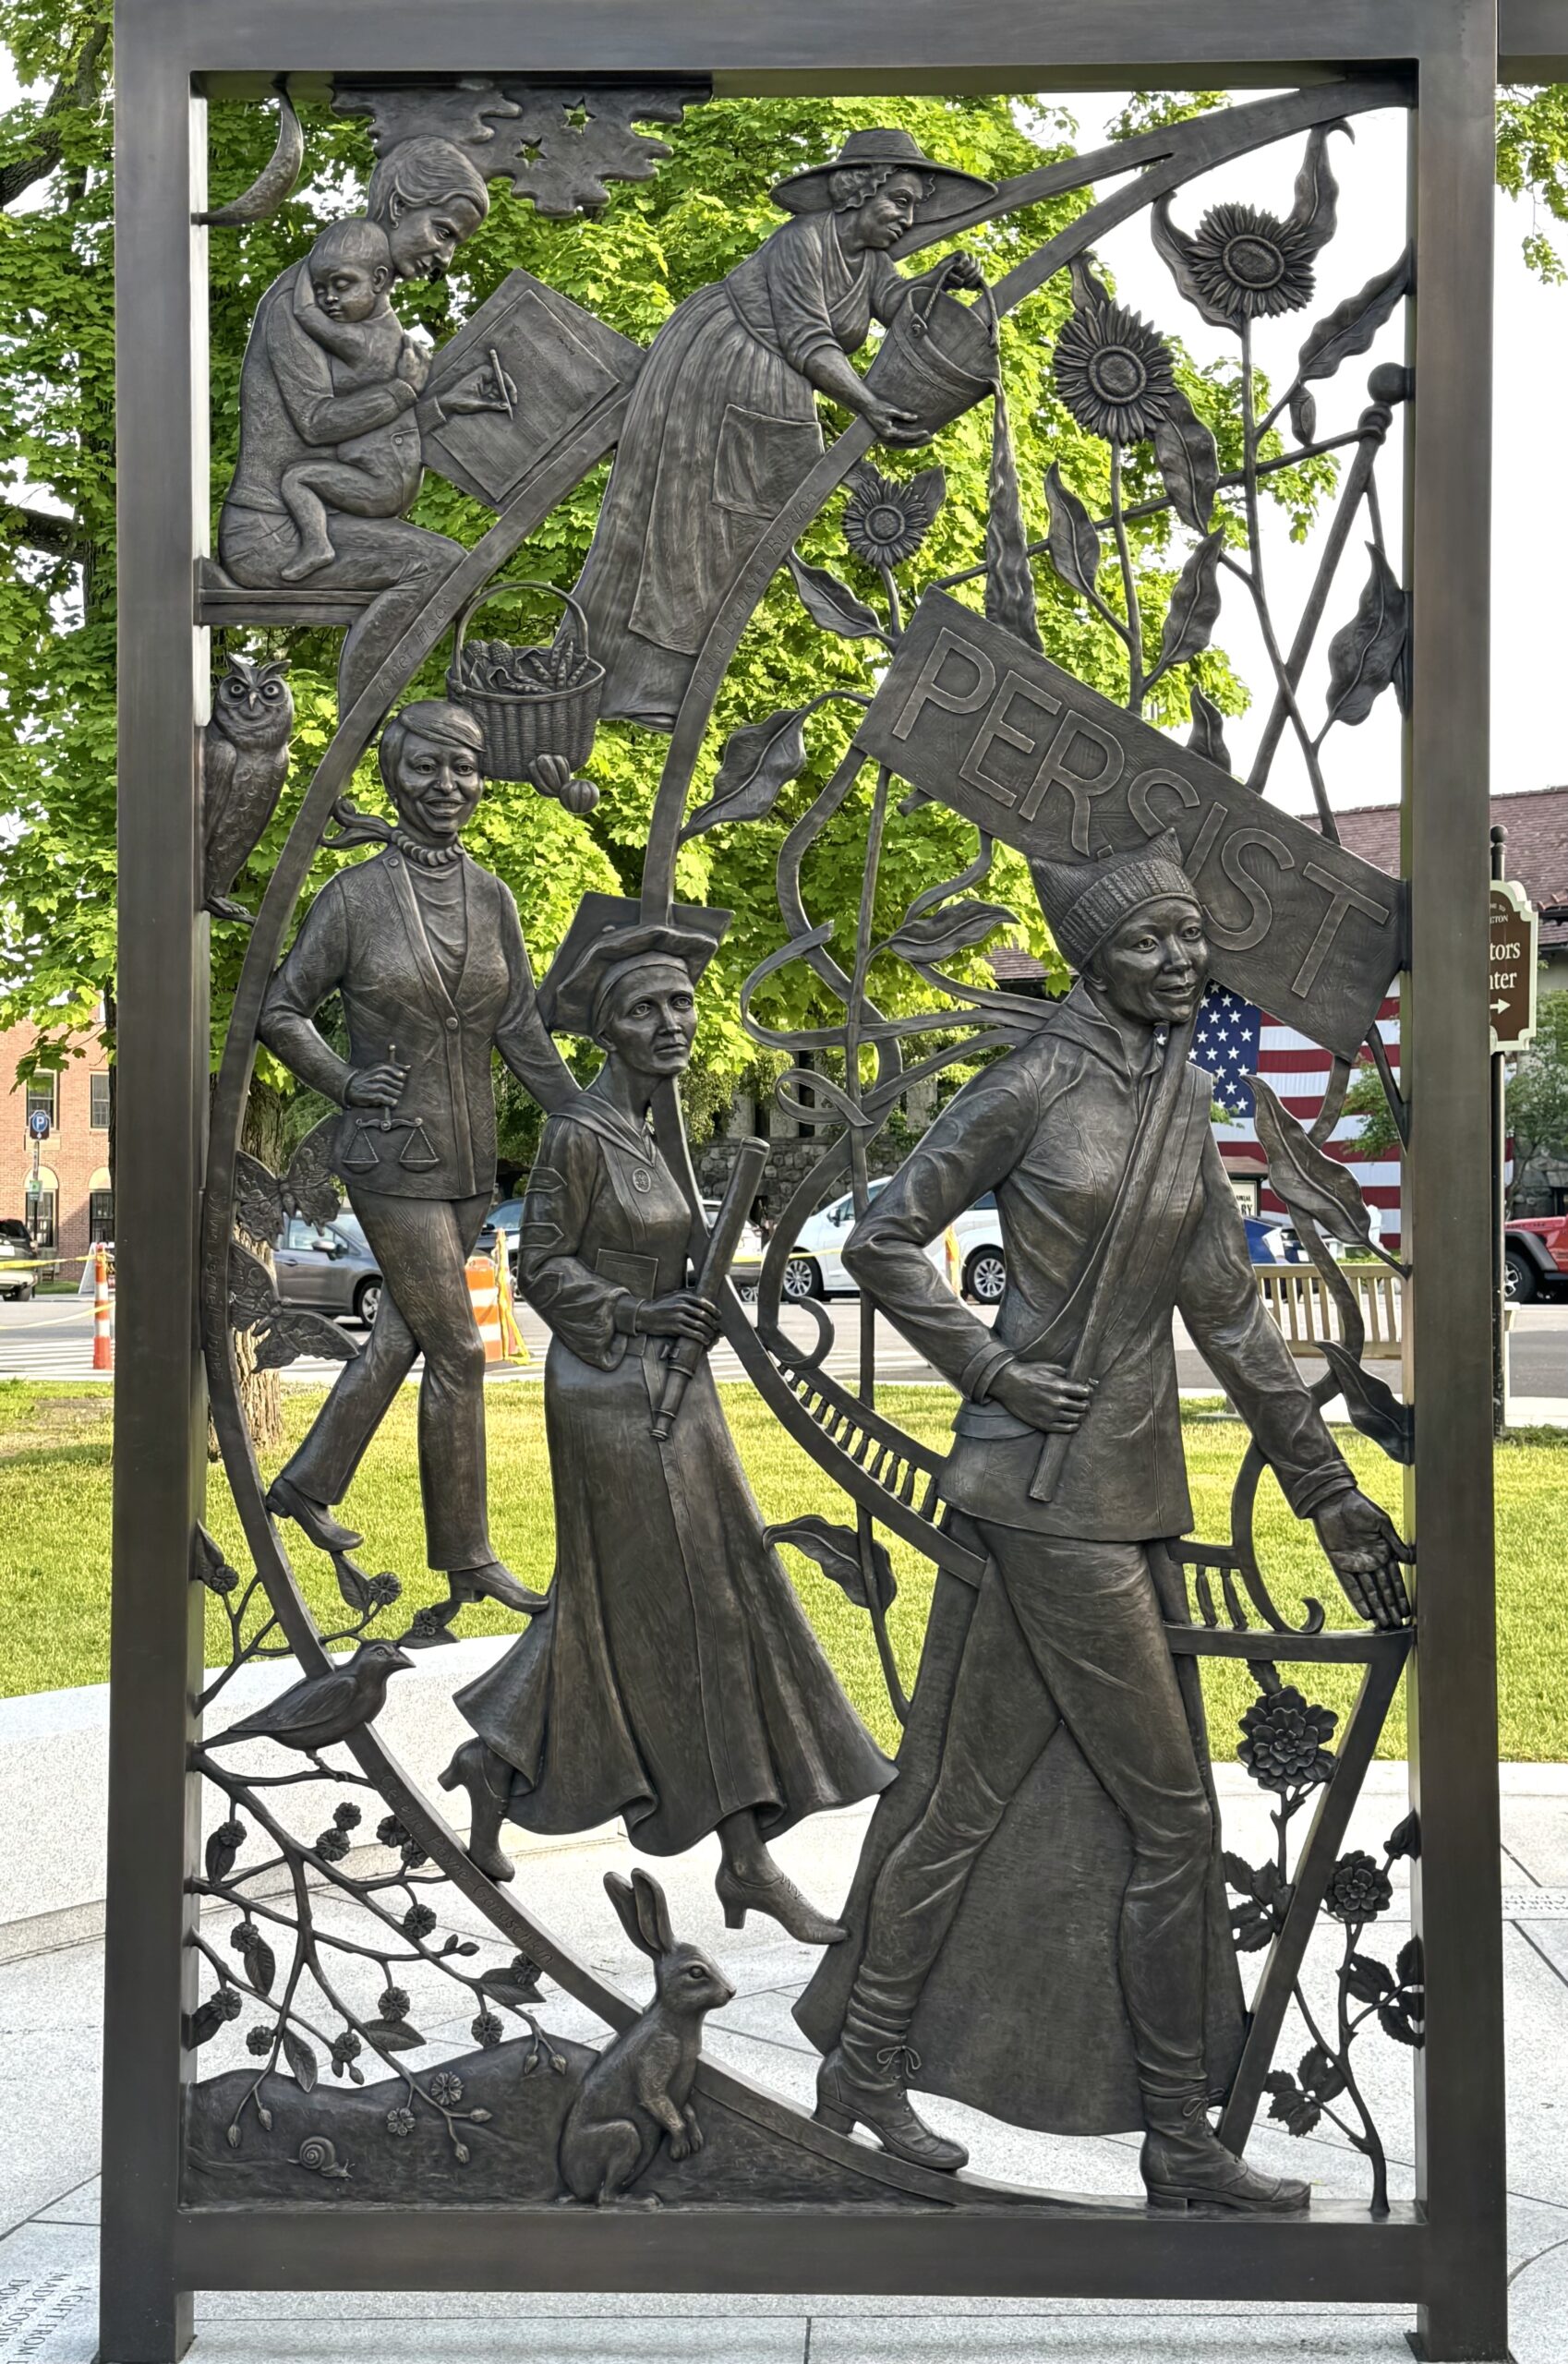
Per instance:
(939,357)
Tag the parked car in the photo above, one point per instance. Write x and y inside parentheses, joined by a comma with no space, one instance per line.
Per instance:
(328,1267)
(817,1269)
(1269,1241)
(506,1217)
(1535,1257)
(15,1247)
(746,1265)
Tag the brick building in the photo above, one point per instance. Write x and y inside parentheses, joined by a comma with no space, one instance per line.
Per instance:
(75,1204)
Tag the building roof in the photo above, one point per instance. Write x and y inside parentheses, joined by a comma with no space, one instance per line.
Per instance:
(1537,853)
(1537,823)
(1011,967)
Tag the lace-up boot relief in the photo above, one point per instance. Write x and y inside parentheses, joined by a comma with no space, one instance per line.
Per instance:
(1185,2164)
(865,2078)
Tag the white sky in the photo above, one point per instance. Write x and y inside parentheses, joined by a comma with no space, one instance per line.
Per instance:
(1529,734)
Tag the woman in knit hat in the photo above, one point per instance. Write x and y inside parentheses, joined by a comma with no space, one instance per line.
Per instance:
(1052,1842)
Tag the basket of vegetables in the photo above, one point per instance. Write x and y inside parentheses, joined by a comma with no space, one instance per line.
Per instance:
(528,702)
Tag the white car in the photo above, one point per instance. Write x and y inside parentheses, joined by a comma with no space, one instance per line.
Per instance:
(817,1267)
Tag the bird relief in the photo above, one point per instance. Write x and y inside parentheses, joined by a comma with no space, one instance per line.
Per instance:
(245,753)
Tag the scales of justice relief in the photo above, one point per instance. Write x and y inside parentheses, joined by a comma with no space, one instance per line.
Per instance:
(391,2066)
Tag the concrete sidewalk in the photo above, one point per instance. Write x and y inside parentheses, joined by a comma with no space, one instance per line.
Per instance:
(51,1970)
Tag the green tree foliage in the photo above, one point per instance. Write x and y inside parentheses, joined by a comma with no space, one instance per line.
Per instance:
(1537,1105)
(1379,1136)
(1532,161)
(655,244)
(1538,1093)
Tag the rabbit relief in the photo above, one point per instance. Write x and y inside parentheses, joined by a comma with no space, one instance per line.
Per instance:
(640,2087)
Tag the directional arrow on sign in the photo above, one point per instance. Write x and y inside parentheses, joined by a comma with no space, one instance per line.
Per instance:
(1513,952)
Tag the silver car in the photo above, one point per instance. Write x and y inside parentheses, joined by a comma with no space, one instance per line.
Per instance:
(328,1267)
(16,1251)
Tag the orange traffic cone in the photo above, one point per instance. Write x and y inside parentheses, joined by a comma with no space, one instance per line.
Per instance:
(484,1297)
(103,1335)
(515,1347)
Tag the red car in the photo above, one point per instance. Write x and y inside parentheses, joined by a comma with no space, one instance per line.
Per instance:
(1535,1257)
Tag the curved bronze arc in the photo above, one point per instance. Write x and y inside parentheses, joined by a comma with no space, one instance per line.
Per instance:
(1227,133)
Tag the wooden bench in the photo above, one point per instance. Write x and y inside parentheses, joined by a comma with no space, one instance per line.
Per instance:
(1306,1313)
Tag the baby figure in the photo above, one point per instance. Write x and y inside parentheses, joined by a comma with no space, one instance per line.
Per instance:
(376,474)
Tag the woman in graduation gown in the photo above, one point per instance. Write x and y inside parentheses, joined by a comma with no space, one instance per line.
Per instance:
(722,425)
(673,1678)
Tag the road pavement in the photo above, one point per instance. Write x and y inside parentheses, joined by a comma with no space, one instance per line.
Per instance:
(52,1338)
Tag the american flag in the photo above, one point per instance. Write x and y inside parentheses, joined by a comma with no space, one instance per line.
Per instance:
(1226,1041)
(1233,1038)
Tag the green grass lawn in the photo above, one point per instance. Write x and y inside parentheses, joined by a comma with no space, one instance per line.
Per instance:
(54,1470)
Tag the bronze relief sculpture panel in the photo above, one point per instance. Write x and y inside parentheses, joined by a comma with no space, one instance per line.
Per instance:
(1044,1922)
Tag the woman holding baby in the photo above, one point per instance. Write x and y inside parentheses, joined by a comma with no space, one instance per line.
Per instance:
(329,447)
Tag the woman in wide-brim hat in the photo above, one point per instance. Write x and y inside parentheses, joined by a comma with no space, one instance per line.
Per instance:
(722,424)
(673,1678)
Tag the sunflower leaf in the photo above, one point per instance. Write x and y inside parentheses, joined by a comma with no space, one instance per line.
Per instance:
(1195,605)
(837,1552)
(1315,211)
(1309,1181)
(1190,464)
(1176,251)
(1351,326)
(1073,545)
(1207,735)
(956,927)
(1366,654)
(1086,289)
(832,604)
(759,759)
(1372,1405)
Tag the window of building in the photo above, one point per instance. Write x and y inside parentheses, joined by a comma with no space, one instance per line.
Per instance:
(41,1208)
(40,1094)
(100,1206)
(98,1101)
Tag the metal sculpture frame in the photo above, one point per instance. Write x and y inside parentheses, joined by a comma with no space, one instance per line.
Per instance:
(1447,2252)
